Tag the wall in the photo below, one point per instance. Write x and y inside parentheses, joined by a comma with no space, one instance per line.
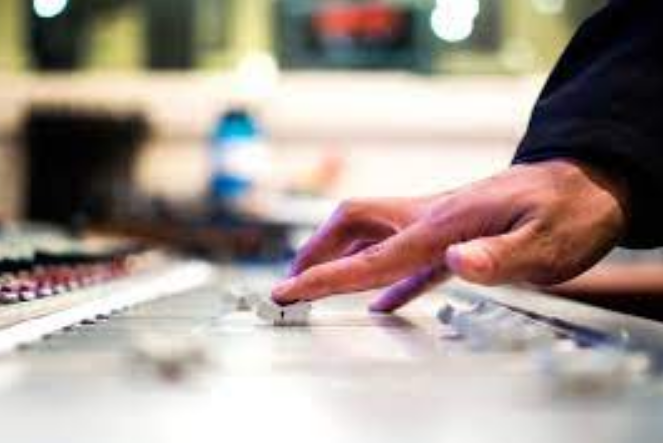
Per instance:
(533,41)
(12,56)
(397,133)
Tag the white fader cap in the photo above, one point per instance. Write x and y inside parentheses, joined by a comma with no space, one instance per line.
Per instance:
(296,314)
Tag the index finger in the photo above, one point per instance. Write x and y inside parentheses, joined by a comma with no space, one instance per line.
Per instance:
(352,223)
(324,244)
(385,263)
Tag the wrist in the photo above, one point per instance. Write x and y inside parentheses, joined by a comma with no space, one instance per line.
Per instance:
(599,179)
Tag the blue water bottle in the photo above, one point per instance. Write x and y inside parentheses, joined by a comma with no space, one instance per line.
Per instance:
(238,156)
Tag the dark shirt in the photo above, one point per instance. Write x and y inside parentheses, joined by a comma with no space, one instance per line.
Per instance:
(603,105)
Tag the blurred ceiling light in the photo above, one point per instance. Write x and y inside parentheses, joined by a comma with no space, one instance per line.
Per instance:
(549,7)
(49,8)
(256,77)
(453,20)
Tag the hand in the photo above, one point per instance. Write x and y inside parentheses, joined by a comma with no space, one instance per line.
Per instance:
(541,223)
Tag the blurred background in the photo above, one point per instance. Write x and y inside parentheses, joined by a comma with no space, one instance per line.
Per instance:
(110,102)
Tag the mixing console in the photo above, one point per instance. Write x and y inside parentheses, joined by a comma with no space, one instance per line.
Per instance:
(136,346)
(41,262)
(50,280)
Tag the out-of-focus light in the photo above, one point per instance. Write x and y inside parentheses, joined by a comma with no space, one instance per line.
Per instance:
(450,30)
(549,7)
(468,9)
(49,8)
(453,20)
(256,77)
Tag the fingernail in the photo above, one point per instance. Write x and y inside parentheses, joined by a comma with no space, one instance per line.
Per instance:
(283,288)
(382,304)
(478,258)
(378,308)
(454,258)
(469,257)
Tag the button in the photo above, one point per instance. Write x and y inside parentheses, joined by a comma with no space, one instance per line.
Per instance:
(296,314)
(172,360)
(8,297)
(498,328)
(245,297)
(592,371)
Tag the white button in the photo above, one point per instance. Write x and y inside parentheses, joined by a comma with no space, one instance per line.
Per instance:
(296,314)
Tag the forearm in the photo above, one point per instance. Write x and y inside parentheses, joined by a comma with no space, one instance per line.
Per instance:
(601,107)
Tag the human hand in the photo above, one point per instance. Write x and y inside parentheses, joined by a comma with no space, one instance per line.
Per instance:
(539,223)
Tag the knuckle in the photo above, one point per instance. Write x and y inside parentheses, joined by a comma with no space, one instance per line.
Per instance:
(314,280)
(451,215)
(372,253)
(539,228)
(427,246)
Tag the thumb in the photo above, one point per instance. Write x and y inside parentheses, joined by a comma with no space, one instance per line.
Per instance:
(493,260)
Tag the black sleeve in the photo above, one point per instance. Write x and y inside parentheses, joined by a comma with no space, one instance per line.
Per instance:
(603,105)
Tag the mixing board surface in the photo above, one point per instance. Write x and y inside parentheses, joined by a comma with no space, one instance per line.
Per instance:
(175,352)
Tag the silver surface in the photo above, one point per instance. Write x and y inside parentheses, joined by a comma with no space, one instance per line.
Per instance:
(193,368)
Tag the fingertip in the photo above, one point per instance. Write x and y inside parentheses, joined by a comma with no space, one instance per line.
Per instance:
(454,258)
(379,306)
(471,261)
(395,297)
(282,292)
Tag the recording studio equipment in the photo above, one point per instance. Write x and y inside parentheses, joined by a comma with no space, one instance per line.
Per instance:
(171,348)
